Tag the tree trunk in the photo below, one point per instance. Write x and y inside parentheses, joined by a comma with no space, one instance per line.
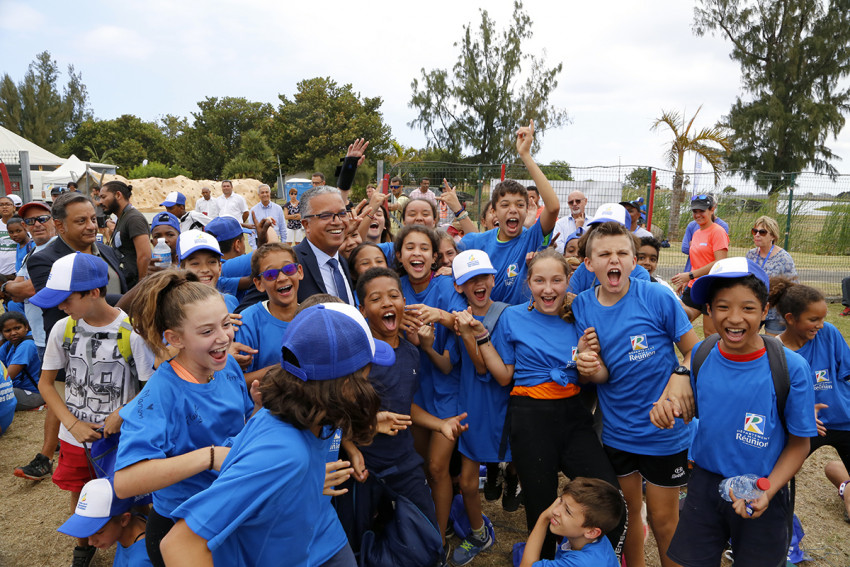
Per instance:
(676,199)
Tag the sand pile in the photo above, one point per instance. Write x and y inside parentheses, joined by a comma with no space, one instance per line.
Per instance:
(149,192)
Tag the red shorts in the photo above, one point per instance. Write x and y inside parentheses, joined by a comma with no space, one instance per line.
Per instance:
(73,470)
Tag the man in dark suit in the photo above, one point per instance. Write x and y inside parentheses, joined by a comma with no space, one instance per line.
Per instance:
(325,221)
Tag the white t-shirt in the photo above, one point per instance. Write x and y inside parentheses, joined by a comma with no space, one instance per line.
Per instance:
(232,206)
(207,208)
(91,394)
(7,251)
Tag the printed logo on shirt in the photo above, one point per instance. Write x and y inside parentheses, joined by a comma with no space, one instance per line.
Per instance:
(335,443)
(822,380)
(513,271)
(753,432)
(575,353)
(640,350)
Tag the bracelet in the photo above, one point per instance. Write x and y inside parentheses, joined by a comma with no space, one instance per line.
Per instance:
(482,335)
(842,487)
(371,216)
(461,211)
(212,457)
(3,287)
(72,426)
(482,340)
(462,216)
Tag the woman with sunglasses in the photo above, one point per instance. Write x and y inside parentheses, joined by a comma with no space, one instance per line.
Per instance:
(774,260)
(709,244)
(276,274)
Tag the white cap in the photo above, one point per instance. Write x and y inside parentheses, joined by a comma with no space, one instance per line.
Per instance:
(15,200)
(193,240)
(611,212)
(471,263)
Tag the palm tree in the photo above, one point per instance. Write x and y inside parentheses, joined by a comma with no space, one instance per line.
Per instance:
(705,143)
(400,153)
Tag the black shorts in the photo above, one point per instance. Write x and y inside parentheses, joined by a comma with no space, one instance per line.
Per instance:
(707,523)
(837,438)
(669,471)
(686,299)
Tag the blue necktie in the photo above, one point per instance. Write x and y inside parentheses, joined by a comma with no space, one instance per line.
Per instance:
(339,281)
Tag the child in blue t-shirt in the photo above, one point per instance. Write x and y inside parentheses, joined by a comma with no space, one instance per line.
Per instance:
(276,273)
(264,506)
(637,324)
(803,310)
(176,432)
(537,346)
(200,254)
(166,226)
(740,430)
(105,520)
(508,244)
(7,400)
(587,509)
(20,356)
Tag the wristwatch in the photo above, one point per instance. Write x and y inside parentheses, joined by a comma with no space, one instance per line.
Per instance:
(682,370)
(691,275)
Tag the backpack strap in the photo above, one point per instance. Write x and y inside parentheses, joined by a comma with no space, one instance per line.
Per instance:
(70,331)
(779,372)
(493,315)
(126,350)
(696,362)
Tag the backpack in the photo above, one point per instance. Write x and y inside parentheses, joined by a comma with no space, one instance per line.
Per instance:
(778,370)
(122,337)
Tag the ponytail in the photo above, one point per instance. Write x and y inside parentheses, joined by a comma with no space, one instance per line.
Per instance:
(790,297)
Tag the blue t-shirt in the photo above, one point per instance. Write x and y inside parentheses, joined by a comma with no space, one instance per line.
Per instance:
(263,331)
(739,427)
(595,554)
(238,267)
(21,253)
(438,393)
(171,416)
(486,402)
(388,248)
(636,337)
(25,354)
(508,260)
(536,344)
(396,385)
(134,556)
(8,402)
(829,359)
(583,279)
(266,503)
(230,302)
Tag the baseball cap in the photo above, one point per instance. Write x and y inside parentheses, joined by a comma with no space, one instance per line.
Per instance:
(611,212)
(74,272)
(702,202)
(165,218)
(15,200)
(96,505)
(331,340)
(225,228)
(174,198)
(34,205)
(636,203)
(471,263)
(575,234)
(738,267)
(193,240)
(56,191)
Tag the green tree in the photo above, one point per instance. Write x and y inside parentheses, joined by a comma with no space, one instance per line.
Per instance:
(558,170)
(793,54)
(255,159)
(36,109)
(216,133)
(477,106)
(126,141)
(321,120)
(710,143)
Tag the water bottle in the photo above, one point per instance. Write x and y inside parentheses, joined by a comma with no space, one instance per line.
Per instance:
(162,254)
(746,486)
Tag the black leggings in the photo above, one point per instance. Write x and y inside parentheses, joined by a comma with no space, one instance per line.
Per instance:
(156,529)
(834,438)
(548,436)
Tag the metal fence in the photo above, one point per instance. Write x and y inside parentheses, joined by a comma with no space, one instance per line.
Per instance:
(812,210)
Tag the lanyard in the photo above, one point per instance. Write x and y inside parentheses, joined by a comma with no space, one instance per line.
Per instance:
(758,256)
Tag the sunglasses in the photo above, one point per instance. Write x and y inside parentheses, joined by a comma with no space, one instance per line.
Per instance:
(759,231)
(700,197)
(576,202)
(394,186)
(43,219)
(288,269)
(342,215)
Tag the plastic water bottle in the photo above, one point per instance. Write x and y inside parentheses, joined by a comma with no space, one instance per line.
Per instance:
(162,254)
(746,486)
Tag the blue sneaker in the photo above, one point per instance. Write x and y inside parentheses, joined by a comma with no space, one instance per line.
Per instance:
(472,546)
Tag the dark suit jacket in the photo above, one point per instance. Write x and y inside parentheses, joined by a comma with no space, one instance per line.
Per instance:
(39,265)
(312,282)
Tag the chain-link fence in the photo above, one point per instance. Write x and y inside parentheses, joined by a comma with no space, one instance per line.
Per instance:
(812,210)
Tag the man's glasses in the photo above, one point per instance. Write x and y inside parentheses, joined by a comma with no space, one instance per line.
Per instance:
(43,219)
(287,269)
(759,231)
(325,217)
(394,186)
(574,202)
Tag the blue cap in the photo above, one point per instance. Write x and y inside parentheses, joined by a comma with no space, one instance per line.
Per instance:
(193,240)
(575,234)
(329,341)
(226,228)
(174,198)
(739,267)
(74,272)
(96,505)
(166,218)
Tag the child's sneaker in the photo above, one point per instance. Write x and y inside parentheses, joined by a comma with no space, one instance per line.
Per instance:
(39,468)
(846,312)
(83,556)
(512,497)
(472,546)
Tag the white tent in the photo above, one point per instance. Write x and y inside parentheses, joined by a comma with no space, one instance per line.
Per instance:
(11,144)
(73,169)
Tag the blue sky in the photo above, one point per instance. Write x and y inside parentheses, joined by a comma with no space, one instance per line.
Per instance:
(623,61)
